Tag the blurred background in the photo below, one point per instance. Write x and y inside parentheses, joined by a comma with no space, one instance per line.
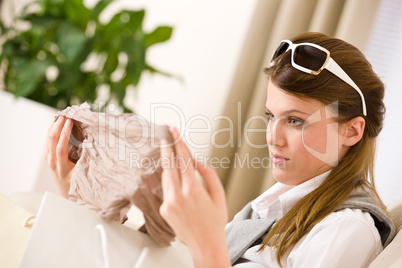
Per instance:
(193,65)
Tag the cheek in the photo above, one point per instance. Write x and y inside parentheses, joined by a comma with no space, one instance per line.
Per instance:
(322,142)
(315,138)
(300,148)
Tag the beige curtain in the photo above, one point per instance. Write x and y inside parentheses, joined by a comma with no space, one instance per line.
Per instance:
(242,138)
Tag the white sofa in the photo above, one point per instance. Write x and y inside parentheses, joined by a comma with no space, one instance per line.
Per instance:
(392,254)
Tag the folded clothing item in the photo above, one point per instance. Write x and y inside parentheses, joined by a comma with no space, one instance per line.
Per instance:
(118,164)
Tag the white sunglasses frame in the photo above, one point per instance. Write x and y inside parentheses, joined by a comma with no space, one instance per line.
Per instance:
(329,64)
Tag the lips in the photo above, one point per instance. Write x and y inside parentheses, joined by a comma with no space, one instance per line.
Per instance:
(278,159)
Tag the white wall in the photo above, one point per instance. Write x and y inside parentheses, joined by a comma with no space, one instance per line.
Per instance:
(384,51)
(204,50)
(24,124)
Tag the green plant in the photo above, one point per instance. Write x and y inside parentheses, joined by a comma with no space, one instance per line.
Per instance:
(47,61)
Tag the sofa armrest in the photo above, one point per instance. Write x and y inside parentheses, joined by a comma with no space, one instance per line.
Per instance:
(392,255)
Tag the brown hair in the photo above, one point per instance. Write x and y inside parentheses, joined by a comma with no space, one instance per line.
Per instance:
(356,167)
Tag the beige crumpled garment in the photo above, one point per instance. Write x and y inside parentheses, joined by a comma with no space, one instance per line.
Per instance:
(118,164)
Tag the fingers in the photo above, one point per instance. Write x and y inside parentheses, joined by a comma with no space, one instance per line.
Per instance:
(56,153)
(212,183)
(184,161)
(53,137)
(56,150)
(62,145)
(170,175)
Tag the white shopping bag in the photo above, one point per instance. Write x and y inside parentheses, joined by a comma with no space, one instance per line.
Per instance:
(15,228)
(68,235)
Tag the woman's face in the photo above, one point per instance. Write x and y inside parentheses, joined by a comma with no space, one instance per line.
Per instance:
(303,138)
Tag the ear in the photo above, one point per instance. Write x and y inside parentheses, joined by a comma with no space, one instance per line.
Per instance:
(353,130)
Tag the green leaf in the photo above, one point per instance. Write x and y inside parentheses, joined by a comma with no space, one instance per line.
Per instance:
(156,71)
(3,28)
(68,79)
(111,62)
(125,24)
(153,70)
(160,34)
(118,91)
(134,70)
(29,77)
(100,6)
(77,13)
(135,19)
(70,40)
(45,22)
(25,10)
(109,38)
(53,8)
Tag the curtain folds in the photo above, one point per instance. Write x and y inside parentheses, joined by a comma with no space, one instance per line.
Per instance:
(242,138)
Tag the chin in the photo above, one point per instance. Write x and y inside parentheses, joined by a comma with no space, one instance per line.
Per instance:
(285,177)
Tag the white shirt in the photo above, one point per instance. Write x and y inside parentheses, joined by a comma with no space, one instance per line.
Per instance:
(346,238)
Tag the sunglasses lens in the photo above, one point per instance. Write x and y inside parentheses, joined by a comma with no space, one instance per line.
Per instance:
(309,57)
(280,50)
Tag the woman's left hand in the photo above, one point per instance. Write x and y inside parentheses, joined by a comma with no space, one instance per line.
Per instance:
(197,215)
(56,153)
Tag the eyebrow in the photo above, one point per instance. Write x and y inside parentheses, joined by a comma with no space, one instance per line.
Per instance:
(289,111)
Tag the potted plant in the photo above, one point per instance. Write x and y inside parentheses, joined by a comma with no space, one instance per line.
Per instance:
(57,53)
(63,53)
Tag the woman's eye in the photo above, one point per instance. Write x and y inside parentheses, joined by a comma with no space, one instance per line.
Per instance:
(295,122)
(270,116)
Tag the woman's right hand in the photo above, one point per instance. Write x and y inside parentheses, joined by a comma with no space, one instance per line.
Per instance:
(197,214)
(56,153)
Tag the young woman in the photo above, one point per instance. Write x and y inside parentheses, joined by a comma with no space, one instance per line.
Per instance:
(325,107)
(325,110)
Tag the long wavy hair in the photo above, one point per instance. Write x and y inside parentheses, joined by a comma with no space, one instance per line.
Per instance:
(356,168)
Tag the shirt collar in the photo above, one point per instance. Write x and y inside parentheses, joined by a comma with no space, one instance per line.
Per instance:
(280,198)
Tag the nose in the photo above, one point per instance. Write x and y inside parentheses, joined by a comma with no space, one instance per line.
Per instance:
(276,133)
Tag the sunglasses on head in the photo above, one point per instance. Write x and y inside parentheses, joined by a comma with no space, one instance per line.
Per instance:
(312,59)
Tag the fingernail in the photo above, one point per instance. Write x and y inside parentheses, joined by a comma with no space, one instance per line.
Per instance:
(172,129)
(163,143)
(69,122)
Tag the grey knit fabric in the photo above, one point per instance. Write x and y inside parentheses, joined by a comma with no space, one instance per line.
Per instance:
(244,230)
(361,199)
